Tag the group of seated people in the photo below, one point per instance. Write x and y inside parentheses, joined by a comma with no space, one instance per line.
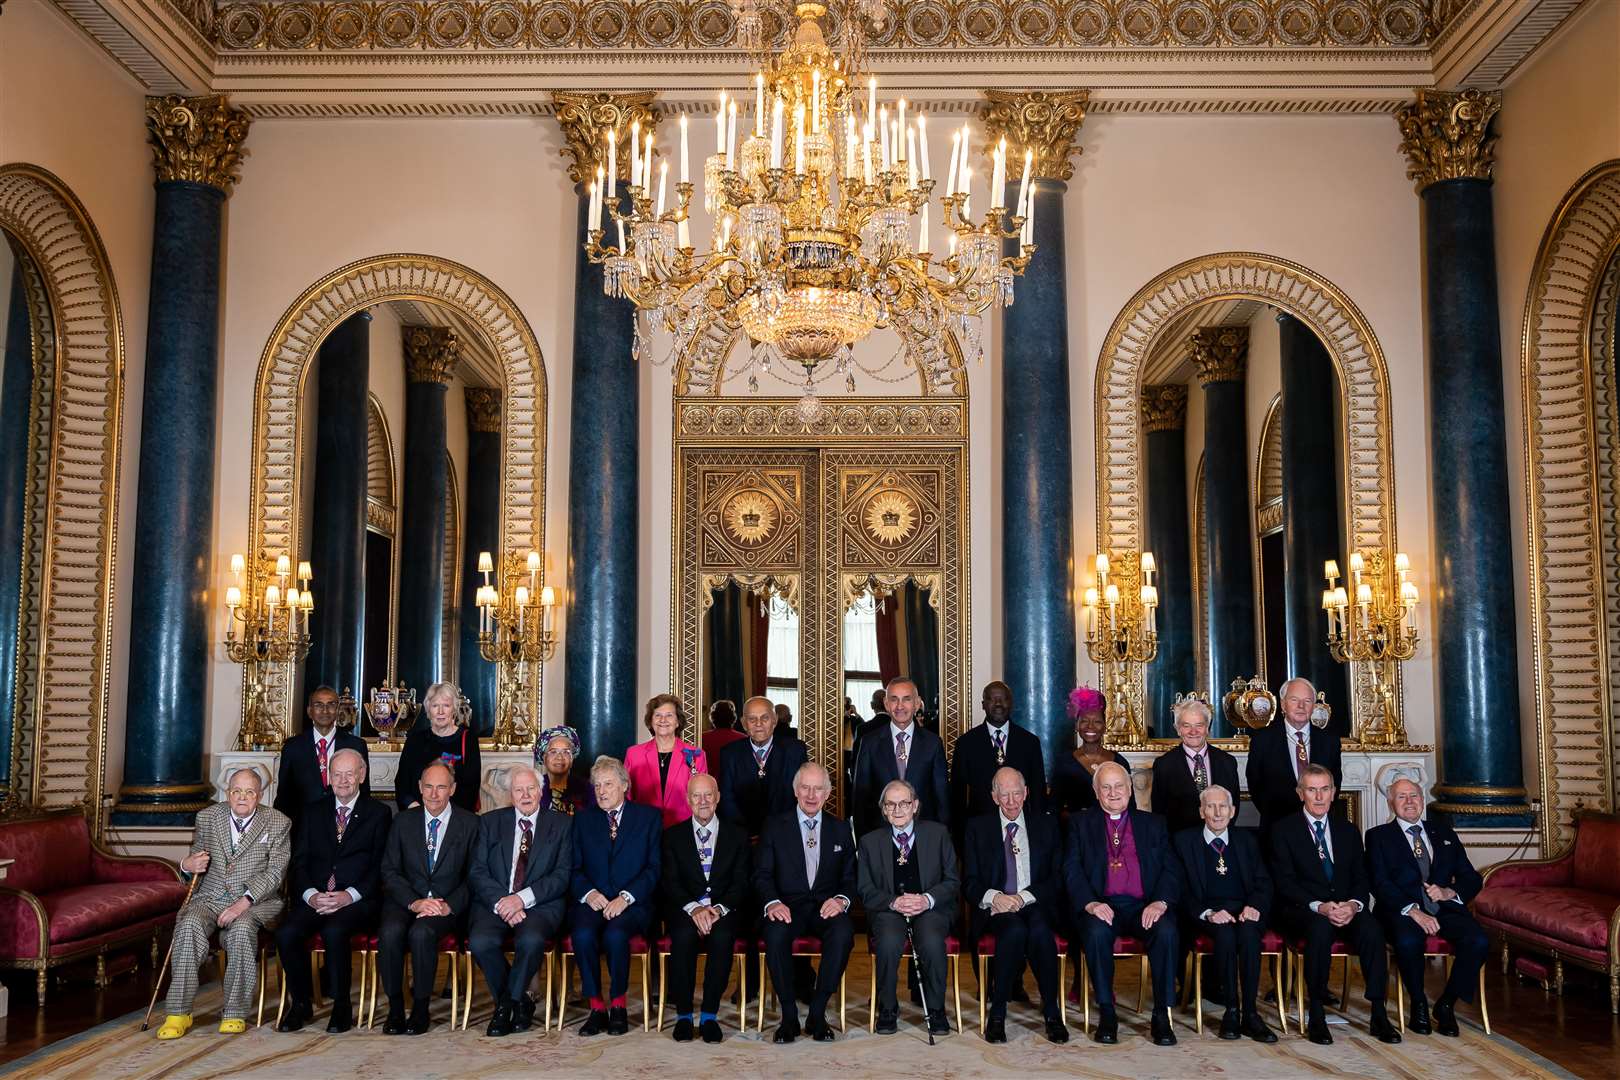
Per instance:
(746,852)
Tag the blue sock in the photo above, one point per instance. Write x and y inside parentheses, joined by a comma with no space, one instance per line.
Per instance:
(706,1017)
(684,1016)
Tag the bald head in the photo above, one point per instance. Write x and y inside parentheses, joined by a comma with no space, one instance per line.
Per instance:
(1112,783)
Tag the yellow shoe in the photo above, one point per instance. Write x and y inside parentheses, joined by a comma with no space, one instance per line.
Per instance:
(174,1026)
(232,1027)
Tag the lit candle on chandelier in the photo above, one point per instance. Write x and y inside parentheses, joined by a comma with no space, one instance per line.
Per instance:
(685,177)
(635,153)
(776,134)
(731,136)
(1029,217)
(922,145)
(720,125)
(663,180)
(1023,185)
(950,173)
(613,166)
(922,232)
(759,104)
(849,147)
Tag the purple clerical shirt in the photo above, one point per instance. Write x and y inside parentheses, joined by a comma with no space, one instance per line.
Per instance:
(1124,871)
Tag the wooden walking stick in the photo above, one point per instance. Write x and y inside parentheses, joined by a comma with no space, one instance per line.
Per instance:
(157,983)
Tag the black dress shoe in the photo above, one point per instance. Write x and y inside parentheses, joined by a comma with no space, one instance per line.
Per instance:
(1231,1028)
(1057,1031)
(618,1021)
(888,1021)
(1163,1033)
(1380,1028)
(710,1030)
(1255,1028)
(501,1023)
(995,1031)
(1316,1029)
(1330,1000)
(594,1024)
(395,1024)
(1417,1021)
(937,1024)
(1445,1020)
(523,1014)
(1107,1031)
(297,1015)
(823,1032)
(418,1023)
(683,1030)
(339,1022)
(786,1032)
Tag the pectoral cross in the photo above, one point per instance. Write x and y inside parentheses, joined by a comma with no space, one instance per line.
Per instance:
(1220,865)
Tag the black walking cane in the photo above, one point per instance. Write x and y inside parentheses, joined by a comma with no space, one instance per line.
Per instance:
(922,989)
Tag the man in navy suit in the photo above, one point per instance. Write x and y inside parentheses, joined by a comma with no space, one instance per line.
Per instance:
(303,773)
(1280,751)
(1011,886)
(617,846)
(804,871)
(985,749)
(905,751)
(1226,894)
(1123,880)
(1321,880)
(520,872)
(1423,880)
(756,773)
(335,883)
(1182,774)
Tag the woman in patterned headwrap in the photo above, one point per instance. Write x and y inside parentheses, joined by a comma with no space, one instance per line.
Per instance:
(1071,774)
(554,755)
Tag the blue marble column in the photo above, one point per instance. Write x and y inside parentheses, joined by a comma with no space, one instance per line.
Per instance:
(1312,531)
(337,547)
(480,532)
(1221,353)
(1448,143)
(431,354)
(196,142)
(1175,671)
(16,397)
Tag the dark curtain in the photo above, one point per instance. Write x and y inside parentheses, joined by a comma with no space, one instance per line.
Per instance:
(922,644)
(727,646)
(758,623)
(888,638)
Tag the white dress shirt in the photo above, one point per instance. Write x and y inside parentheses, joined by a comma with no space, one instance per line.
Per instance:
(909,731)
(1428,845)
(713,828)
(443,818)
(1020,860)
(821,841)
(354,894)
(1327,840)
(526,895)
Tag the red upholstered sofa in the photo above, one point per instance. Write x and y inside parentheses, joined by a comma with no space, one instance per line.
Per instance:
(67,898)
(1568,906)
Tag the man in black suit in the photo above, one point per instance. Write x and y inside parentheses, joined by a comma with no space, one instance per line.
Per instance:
(1182,774)
(519,872)
(335,880)
(756,773)
(1279,752)
(1321,881)
(909,884)
(425,889)
(1226,894)
(984,749)
(303,774)
(905,751)
(1012,890)
(1423,880)
(1123,880)
(705,888)
(805,872)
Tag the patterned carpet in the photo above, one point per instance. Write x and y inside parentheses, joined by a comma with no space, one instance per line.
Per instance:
(120,1049)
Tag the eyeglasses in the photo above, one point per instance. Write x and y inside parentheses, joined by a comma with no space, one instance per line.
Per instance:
(324,706)
(892,807)
(560,751)
(238,792)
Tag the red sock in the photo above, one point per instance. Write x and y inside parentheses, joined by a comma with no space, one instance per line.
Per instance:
(597,1005)
(618,1002)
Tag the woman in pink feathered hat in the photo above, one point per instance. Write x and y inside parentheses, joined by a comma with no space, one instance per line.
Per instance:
(1071,774)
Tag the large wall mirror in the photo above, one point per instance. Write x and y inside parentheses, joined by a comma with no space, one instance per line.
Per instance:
(26,385)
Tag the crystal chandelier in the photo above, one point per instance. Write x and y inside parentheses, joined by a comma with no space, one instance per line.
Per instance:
(821,217)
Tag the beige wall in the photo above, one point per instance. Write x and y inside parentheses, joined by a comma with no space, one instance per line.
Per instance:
(67,107)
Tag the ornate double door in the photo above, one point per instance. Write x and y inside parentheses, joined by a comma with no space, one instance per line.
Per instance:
(807,533)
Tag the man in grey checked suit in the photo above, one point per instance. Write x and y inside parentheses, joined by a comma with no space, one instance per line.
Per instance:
(241,848)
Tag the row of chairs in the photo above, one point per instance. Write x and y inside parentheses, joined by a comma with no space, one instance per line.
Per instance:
(1287,959)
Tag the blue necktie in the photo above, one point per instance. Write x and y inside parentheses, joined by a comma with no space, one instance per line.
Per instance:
(433,842)
(1322,850)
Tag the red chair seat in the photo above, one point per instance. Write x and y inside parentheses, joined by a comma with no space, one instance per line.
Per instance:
(83,911)
(806,944)
(1577,916)
(1270,942)
(1129,946)
(1339,948)
(953,945)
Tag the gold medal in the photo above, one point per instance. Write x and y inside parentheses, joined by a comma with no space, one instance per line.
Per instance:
(810,843)
(1220,865)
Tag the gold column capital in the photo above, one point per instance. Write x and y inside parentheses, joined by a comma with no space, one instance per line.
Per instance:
(1164,407)
(1039,120)
(196,139)
(1446,135)
(483,409)
(1221,353)
(431,354)
(586,118)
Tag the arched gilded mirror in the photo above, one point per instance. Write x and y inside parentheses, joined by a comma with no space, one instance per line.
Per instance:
(751,648)
(887,631)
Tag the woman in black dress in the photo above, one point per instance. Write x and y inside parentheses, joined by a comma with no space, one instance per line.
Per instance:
(447,738)
(1071,774)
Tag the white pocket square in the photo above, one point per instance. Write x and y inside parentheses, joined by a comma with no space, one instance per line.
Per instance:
(837,848)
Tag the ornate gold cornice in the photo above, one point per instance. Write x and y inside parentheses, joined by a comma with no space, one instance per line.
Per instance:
(197,139)
(1164,407)
(1221,353)
(484,409)
(587,118)
(1037,120)
(1446,135)
(431,354)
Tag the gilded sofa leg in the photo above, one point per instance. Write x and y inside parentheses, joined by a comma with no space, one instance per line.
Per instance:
(1558,976)
(101,971)
(1504,954)
(39,986)
(1614,992)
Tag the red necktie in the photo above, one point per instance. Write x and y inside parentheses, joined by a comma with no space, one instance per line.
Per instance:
(320,759)
(520,869)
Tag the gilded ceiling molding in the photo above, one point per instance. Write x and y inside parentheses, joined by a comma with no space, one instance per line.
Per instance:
(1447,135)
(1164,407)
(586,120)
(196,139)
(1038,120)
(1221,353)
(483,409)
(431,354)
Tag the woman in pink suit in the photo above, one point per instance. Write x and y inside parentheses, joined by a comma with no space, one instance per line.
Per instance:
(660,767)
